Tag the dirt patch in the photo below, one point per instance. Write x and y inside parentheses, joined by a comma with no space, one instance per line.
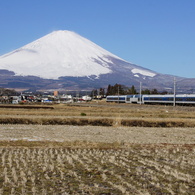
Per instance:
(122,135)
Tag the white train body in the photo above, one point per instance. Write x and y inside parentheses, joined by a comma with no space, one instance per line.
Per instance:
(182,99)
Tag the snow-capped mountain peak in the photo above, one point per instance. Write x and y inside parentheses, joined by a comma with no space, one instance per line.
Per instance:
(60,53)
(73,62)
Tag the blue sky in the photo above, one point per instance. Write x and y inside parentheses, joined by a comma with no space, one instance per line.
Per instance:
(155,34)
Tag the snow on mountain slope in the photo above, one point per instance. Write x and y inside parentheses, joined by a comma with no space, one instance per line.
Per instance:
(142,72)
(60,53)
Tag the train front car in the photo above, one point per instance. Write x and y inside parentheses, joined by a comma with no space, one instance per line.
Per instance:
(180,99)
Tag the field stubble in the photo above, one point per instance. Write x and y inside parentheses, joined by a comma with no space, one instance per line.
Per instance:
(68,159)
(136,170)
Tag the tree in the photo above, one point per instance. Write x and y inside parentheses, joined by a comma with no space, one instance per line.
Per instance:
(164,92)
(101,91)
(7,92)
(154,91)
(94,93)
(146,91)
(132,90)
(109,90)
(120,89)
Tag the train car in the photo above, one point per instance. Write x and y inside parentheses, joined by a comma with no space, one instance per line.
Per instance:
(133,99)
(182,99)
(123,98)
(116,98)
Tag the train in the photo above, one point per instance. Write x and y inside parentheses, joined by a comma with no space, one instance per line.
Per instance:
(180,99)
(123,98)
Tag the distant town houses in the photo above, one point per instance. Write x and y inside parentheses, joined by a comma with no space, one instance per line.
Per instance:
(42,98)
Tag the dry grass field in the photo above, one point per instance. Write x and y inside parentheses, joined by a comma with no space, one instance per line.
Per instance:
(100,114)
(97,148)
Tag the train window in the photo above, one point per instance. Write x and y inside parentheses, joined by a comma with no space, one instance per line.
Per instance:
(112,98)
(191,99)
(178,99)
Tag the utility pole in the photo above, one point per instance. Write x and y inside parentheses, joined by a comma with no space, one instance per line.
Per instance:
(98,96)
(118,94)
(174,98)
(77,96)
(140,93)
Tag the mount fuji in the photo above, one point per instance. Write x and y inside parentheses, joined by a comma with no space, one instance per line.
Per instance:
(66,60)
